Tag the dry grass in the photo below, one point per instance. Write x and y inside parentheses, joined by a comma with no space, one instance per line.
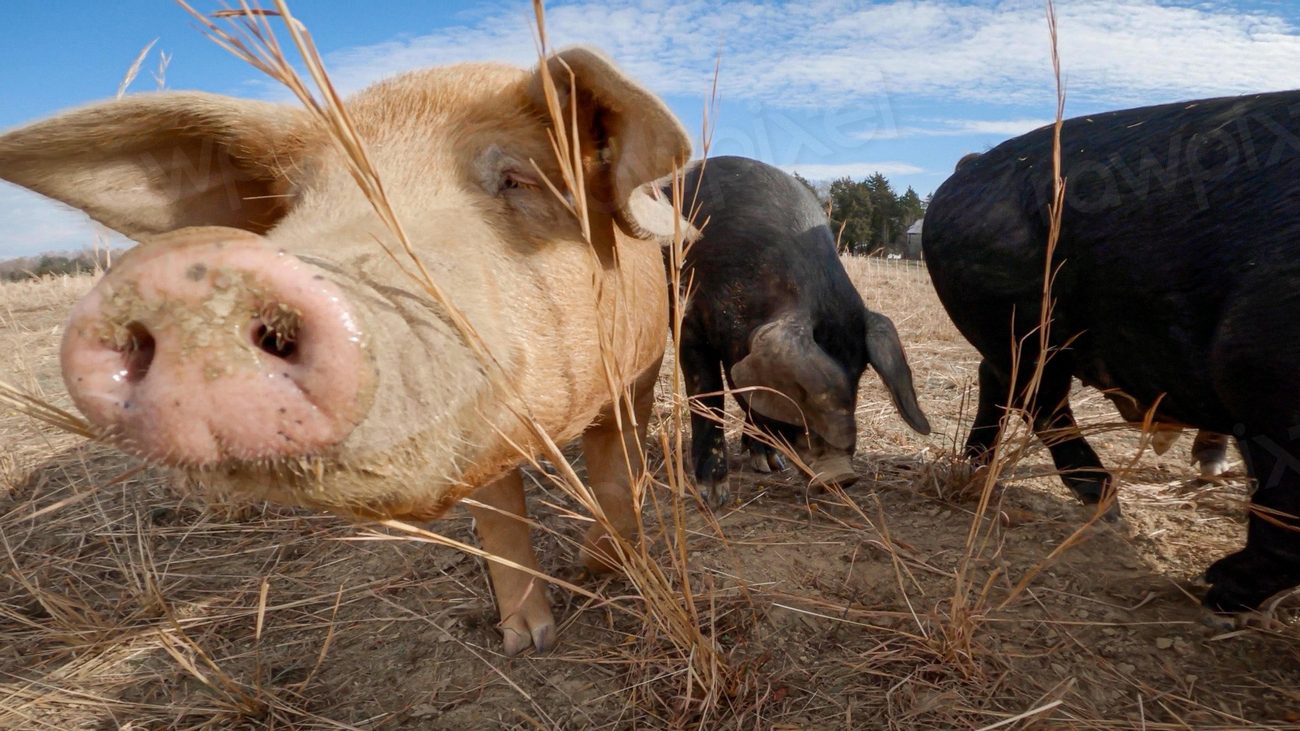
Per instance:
(128,600)
(927,597)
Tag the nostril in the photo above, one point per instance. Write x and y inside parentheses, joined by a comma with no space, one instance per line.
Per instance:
(138,352)
(276,331)
(273,343)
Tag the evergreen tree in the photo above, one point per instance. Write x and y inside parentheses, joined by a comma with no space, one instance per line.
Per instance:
(911,208)
(807,184)
(851,209)
(867,216)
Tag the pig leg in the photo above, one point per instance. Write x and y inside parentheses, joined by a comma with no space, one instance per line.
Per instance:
(1053,423)
(1270,562)
(1210,451)
(702,370)
(615,461)
(521,597)
(993,392)
(1254,364)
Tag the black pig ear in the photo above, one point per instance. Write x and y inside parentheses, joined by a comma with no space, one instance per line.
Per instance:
(885,352)
(639,138)
(810,386)
(152,163)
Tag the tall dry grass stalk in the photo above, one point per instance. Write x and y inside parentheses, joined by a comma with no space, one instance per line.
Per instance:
(160,73)
(133,70)
(41,410)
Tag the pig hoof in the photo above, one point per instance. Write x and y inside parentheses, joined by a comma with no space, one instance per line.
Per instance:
(763,458)
(1219,622)
(516,639)
(1093,501)
(821,483)
(1245,580)
(837,471)
(711,478)
(848,479)
(1112,513)
(769,460)
(530,626)
(1211,470)
(716,493)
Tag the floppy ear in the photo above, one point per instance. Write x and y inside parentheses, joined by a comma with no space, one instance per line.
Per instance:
(885,351)
(637,139)
(812,387)
(153,163)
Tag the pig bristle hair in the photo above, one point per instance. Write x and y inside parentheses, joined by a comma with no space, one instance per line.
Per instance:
(283,322)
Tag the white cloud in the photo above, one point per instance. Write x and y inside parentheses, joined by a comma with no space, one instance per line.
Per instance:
(960,128)
(1008,127)
(855,170)
(827,53)
(35,224)
(889,58)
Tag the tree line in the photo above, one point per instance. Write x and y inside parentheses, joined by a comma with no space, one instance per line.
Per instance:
(867,216)
(45,265)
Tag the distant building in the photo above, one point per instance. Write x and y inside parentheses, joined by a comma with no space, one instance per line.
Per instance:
(913,247)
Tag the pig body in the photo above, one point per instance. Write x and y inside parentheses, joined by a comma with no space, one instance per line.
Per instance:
(771,308)
(262,337)
(1178,295)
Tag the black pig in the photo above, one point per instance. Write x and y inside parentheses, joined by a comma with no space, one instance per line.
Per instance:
(771,306)
(1176,284)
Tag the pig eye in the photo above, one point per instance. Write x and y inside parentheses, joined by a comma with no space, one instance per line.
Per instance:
(518,180)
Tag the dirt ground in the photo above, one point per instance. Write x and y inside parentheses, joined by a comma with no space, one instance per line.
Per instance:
(128,603)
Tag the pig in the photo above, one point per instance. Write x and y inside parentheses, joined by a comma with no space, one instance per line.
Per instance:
(771,308)
(260,338)
(1174,283)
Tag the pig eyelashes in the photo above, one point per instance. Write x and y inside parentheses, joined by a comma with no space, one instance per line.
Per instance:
(517,179)
(500,172)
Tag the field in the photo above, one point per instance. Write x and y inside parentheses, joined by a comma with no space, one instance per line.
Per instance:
(132,601)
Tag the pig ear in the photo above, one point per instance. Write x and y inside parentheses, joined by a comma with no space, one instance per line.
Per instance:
(637,137)
(885,351)
(152,163)
(813,388)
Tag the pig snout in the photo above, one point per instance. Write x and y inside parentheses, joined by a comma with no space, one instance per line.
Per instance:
(206,346)
(834,469)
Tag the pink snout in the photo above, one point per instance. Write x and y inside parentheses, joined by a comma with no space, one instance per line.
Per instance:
(205,346)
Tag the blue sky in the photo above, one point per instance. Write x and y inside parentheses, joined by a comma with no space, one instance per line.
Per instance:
(825,87)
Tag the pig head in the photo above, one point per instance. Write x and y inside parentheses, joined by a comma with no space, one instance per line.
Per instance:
(794,381)
(261,334)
